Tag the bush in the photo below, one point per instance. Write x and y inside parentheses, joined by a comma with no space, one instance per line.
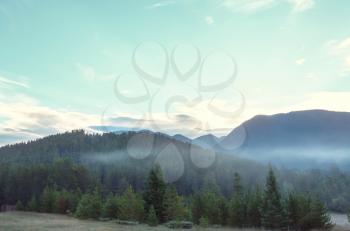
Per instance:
(89,206)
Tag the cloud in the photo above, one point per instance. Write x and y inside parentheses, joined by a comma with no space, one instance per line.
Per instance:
(326,100)
(301,5)
(160,4)
(341,49)
(23,118)
(248,6)
(251,6)
(311,76)
(209,20)
(300,61)
(7,81)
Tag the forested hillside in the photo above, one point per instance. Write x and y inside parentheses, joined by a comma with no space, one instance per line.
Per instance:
(79,160)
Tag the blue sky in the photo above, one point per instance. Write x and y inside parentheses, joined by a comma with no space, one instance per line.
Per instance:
(59,62)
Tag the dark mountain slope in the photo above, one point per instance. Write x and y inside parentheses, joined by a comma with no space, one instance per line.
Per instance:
(313,136)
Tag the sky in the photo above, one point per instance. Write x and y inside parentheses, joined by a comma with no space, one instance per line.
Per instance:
(176,66)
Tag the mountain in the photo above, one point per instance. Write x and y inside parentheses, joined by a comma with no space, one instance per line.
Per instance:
(304,138)
(207,141)
(117,160)
(129,156)
(182,138)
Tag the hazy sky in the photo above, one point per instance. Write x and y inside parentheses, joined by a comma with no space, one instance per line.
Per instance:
(69,64)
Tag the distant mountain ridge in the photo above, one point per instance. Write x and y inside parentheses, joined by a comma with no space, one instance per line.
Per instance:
(311,138)
(300,128)
(300,138)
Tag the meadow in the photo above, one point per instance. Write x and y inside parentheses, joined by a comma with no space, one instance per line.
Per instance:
(29,221)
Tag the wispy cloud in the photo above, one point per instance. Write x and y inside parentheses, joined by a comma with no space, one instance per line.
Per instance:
(8,81)
(251,6)
(248,6)
(301,5)
(341,49)
(25,119)
(160,4)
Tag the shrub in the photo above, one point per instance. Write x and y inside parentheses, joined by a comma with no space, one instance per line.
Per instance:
(89,206)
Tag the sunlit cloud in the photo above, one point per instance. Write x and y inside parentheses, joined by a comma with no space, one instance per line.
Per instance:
(300,61)
(248,6)
(301,5)
(7,81)
(341,49)
(209,20)
(160,4)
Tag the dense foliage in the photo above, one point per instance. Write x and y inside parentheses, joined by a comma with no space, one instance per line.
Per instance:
(24,169)
(160,203)
(92,176)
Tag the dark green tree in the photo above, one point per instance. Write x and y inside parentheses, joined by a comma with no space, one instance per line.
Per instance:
(154,193)
(175,208)
(237,207)
(253,217)
(131,206)
(197,208)
(272,214)
(89,206)
(317,218)
(47,200)
(110,207)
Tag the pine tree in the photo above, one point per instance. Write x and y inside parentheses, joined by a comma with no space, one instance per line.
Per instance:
(317,218)
(152,219)
(293,211)
(212,206)
(253,218)
(154,193)
(47,200)
(175,208)
(131,206)
(272,214)
(110,207)
(237,208)
(89,206)
(197,208)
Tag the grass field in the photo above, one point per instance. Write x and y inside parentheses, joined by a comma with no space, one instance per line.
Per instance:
(23,221)
(26,221)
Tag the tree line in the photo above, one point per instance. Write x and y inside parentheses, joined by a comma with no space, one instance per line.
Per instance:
(159,203)
(25,169)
